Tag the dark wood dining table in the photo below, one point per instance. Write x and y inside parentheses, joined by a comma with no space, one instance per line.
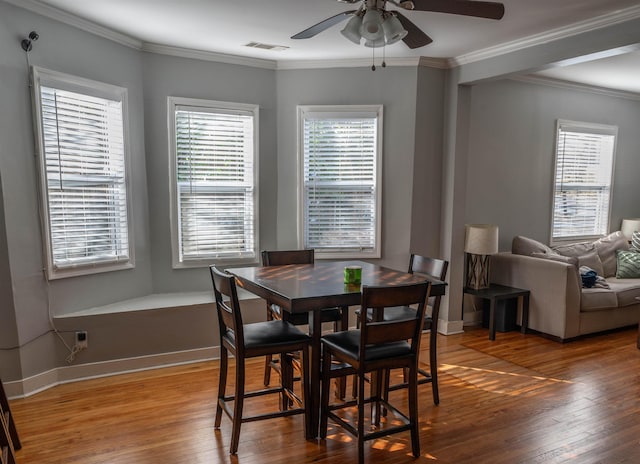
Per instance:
(308,288)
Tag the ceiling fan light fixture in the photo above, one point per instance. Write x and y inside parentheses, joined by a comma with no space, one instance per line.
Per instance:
(371,25)
(393,30)
(378,43)
(352,29)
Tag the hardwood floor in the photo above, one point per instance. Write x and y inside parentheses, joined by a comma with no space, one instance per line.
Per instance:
(519,399)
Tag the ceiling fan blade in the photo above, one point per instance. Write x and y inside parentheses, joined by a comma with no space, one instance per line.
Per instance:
(415,38)
(490,10)
(323,25)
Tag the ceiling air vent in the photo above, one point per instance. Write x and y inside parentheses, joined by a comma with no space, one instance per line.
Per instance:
(265,46)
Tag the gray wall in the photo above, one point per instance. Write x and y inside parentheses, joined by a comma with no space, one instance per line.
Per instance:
(68,50)
(395,88)
(181,77)
(426,196)
(511,154)
(28,345)
(452,154)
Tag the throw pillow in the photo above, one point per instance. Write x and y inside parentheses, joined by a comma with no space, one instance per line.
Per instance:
(635,241)
(607,247)
(527,246)
(628,265)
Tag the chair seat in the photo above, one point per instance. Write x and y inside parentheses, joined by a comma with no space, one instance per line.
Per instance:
(269,333)
(348,343)
(327,315)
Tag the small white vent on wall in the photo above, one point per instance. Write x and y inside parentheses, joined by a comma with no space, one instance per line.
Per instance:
(265,46)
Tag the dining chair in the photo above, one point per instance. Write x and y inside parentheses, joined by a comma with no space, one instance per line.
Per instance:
(338,316)
(436,269)
(245,341)
(379,345)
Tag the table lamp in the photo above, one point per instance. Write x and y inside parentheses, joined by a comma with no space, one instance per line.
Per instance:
(629,226)
(481,241)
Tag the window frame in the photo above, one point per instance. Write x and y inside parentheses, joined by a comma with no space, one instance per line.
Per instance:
(342,111)
(587,128)
(44,77)
(197,104)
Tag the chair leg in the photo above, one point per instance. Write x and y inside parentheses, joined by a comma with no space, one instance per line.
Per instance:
(268,358)
(222,384)
(267,369)
(413,409)
(324,395)
(361,418)
(306,390)
(286,379)
(238,404)
(433,365)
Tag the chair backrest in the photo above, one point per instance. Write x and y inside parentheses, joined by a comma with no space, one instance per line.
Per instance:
(432,267)
(436,269)
(281,258)
(227,304)
(377,330)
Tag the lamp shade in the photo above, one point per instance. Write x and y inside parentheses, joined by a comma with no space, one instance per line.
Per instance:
(629,226)
(393,30)
(374,43)
(372,25)
(352,30)
(481,239)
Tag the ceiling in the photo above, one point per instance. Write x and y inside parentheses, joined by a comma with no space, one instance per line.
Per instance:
(225,27)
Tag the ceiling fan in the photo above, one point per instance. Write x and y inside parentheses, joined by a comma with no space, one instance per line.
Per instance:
(379,26)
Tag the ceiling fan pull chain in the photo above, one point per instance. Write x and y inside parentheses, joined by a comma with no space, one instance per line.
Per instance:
(373,59)
(384,49)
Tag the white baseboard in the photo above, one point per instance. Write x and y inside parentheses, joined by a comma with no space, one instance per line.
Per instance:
(473,318)
(66,374)
(450,327)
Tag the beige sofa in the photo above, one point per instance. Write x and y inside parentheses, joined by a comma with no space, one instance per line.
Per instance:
(559,305)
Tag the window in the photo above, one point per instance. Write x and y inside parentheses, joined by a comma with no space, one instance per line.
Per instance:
(83,155)
(340,157)
(583,180)
(213,160)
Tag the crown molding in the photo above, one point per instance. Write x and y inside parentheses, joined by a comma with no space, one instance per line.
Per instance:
(559,83)
(72,20)
(347,63)
(440,63)
(208,56)
(610,19)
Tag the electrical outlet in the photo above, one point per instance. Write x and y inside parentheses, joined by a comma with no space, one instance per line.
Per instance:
(82,339)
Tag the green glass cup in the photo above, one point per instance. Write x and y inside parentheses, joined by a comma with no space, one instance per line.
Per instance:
(353,275)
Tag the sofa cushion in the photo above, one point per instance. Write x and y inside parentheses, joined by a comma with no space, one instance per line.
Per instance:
(595,299)
(627,290)
(592,261)
(575,249)
(556,257)
(526,246)
(628,264)
(607,247)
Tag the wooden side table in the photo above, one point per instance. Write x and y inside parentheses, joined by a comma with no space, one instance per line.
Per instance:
(496,293)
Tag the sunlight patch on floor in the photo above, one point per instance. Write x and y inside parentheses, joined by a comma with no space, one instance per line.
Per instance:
(499,381)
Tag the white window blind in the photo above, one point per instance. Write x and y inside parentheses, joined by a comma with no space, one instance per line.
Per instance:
(215,183)
(340,182)
(85,195)
(583,180)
